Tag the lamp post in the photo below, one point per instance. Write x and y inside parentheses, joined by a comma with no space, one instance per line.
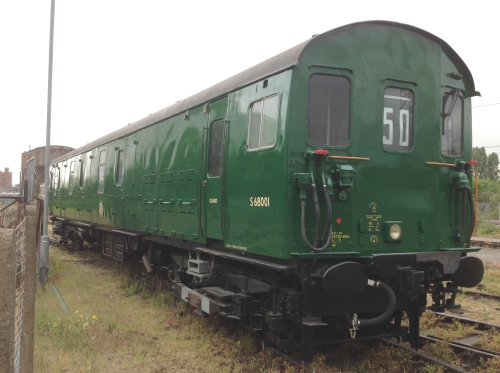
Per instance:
(44,247)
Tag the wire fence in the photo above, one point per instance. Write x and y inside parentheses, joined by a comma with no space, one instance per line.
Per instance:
(18,248)
(20,276)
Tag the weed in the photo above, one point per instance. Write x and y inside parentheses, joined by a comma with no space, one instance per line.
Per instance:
(55,271)
(487,229)
(432,368)
(491,280)
(489,366)
(490,340)
(137,330)
(132,289)
(440,350)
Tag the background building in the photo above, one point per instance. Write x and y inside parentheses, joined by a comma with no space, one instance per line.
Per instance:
(5,179)
(33,169)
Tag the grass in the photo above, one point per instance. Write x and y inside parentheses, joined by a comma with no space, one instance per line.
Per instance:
(486,229)
(491,279)
(115,325)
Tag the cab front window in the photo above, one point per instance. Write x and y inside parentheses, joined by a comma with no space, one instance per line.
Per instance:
(397,133)
(329,110)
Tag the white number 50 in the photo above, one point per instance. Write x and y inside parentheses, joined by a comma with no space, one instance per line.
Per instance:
(404,127)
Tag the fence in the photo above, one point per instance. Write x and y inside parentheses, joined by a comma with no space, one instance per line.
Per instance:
(18,251)
(9,214)
(20,276)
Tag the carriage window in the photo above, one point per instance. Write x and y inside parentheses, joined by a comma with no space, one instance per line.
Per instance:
(453,124)
(329,110)
(55,178)
(398,120)
(263,123)
(120,163)
(82,175)
(71,177)
(100,172)
(216,150)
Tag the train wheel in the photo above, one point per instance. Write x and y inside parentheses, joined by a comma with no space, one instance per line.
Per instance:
(76,242)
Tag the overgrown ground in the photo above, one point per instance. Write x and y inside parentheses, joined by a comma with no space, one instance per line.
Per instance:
(113,325)
(488,229)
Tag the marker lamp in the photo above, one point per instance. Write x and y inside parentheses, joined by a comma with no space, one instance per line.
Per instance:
(393,230)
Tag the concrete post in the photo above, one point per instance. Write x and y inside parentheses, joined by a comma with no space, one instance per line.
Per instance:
(7,298)
(28,333)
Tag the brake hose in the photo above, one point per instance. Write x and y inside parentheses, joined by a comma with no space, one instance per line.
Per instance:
(328,227)
(317,213)
(472,215)
(462,220)
(467,197)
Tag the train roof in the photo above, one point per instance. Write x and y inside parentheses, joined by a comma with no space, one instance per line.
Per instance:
(267,68)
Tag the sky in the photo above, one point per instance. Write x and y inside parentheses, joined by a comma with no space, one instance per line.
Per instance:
(117,61)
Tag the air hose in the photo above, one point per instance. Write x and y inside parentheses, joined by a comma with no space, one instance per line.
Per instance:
(328,228)
(467,199)
(317,214)
(473,216)
(315,157)
(385,316)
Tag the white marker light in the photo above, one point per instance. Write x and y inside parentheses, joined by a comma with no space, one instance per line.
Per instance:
(395,231)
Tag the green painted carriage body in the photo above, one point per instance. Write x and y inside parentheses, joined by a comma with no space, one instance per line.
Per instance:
(253,206)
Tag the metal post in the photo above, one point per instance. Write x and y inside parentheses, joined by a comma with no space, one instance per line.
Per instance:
(44,247)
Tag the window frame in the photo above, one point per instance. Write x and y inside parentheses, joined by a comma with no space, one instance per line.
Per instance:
(261,123)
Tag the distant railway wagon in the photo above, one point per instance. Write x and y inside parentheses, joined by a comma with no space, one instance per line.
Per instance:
(314,197)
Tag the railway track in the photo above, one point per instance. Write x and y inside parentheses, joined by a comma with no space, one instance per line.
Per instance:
(491,243)
(480,295)
(469,355)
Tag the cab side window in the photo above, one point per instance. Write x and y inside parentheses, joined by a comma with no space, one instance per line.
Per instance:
(452,124)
